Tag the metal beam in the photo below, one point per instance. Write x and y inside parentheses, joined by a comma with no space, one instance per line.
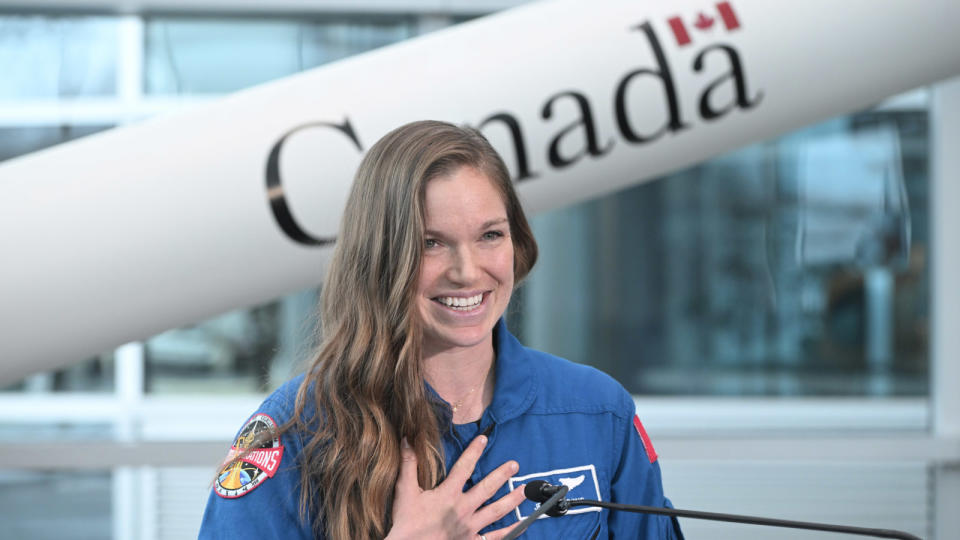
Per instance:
(890,447)
(453,7)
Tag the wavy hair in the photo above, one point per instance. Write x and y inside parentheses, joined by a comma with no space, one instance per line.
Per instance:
(366,379)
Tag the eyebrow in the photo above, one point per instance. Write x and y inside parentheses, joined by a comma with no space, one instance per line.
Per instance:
(486,225)
(493,222)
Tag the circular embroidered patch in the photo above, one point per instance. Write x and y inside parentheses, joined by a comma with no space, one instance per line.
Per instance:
(247,467)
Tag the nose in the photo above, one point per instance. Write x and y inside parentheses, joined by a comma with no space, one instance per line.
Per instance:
(463,268)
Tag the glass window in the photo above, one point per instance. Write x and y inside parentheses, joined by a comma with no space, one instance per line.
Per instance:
(15,141)
(198,56)
(94,375)
(796,266)
(48,505)
(243,351)
(47,57)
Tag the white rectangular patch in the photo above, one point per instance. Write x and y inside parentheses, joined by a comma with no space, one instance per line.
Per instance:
(582,482)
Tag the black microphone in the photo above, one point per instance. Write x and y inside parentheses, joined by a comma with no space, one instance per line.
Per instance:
(540,491)
(547,506)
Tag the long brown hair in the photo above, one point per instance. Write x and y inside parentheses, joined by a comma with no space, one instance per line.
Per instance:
(366,380)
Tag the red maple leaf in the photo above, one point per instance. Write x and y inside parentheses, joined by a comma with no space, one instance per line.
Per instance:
(703,22)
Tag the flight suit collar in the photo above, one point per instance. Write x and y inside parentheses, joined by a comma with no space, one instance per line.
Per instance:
(516,381)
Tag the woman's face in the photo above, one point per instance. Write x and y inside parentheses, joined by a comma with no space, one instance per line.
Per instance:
(466,275)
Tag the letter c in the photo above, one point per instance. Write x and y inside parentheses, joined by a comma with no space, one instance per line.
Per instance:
(276,196)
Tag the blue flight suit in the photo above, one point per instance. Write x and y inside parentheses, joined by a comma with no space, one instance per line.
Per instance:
(562,422)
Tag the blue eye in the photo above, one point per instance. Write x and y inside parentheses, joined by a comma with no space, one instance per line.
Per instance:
(430,243)
(492,235)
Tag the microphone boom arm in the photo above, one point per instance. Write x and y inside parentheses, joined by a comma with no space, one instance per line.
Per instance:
(752,520)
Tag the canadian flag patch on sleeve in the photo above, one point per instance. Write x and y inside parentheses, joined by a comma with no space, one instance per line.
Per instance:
(645,439)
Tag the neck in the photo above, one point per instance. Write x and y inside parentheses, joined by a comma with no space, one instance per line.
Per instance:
(463,377)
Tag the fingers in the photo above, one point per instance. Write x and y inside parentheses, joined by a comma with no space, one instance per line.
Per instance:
(492,482)
(500,533)
(499,508)
(464,466)
(407,483)
(486,488)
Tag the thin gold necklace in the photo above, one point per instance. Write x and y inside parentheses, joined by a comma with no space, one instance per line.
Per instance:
(459,403)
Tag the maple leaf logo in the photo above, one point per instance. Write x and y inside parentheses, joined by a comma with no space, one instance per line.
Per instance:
(703,22)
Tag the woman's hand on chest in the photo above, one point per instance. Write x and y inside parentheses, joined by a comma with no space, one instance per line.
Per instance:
(448,512)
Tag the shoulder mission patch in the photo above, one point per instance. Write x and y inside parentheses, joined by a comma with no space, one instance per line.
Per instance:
(246,467)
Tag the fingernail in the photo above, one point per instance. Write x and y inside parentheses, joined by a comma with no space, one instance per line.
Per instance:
(482,439)
(514,467)
(405,443)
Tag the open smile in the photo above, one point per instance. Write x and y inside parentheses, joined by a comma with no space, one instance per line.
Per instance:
(461,303)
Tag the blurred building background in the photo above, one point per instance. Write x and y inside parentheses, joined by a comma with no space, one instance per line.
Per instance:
(771,309)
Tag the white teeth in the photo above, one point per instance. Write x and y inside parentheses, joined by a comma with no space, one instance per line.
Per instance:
(459,302)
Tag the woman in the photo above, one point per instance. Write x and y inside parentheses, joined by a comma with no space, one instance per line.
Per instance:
(421,416)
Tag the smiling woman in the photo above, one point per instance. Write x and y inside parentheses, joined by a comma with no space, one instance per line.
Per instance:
(466,272)
(420,415)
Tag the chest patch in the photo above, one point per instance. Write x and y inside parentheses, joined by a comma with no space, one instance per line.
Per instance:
(582,482)
(248,464)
